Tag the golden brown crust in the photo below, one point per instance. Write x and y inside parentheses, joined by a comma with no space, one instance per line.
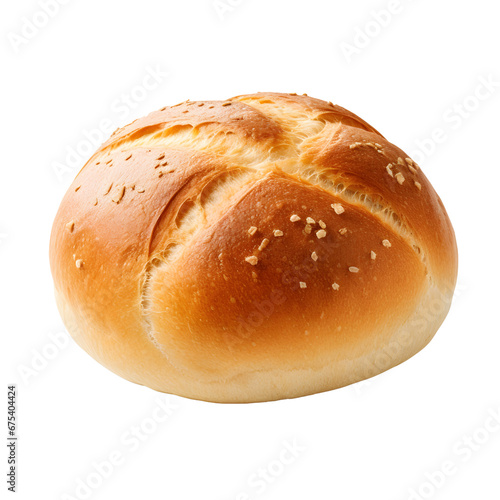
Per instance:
(251,324)
(177,262)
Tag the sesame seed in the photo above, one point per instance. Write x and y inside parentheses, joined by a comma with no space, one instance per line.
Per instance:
(308,228)
(140,190)
(310,220)
(339,209)
(343,230)
(409,161)
(412,170)
(79,263)
(96,202)
(109,161)
(252,230)
(119,194)
(263,244)
(254,275)
(109,189)
(320,234)
(302,284)
(128,157)
(389,171)
(70,226)
(373,255)
(355,145)
(161,156)
(321,224)
(386,243)
(77,188)
(400,161)
(278,232)
(400,178)
(330,103)
(353,269)
(294,218)
(252,260)
(314,256)
(335,286)
(419,186)
(374,145)
(227,104)
(200,104)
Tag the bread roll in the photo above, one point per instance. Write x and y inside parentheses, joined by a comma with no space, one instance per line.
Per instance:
(264,247)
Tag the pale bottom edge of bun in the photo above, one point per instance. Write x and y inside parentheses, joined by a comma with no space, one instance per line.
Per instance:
(412,335)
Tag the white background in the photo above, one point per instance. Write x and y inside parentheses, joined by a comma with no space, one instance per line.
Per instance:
(420,69)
